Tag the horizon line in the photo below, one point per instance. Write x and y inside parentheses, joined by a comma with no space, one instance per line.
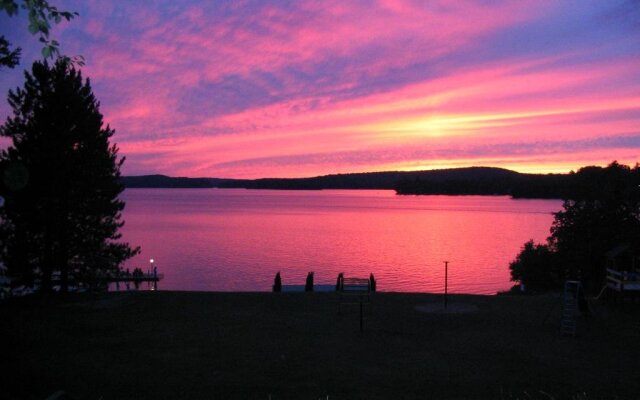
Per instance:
(376,172)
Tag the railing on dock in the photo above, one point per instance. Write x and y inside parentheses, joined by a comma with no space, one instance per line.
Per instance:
(137,277)
(623,281)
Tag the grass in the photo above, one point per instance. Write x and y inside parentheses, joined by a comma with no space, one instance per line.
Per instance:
(170,345)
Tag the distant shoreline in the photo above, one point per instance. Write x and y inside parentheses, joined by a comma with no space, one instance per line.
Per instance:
(456,181)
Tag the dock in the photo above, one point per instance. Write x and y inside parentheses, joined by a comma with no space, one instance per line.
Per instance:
(139,278)
(135,278)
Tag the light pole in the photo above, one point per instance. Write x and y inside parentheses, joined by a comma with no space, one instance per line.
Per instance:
(446,281)
(153,271)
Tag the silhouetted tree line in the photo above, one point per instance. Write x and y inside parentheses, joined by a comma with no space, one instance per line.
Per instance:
(163,181)
(367,180)
(601,210)
(456,181)
(486,181)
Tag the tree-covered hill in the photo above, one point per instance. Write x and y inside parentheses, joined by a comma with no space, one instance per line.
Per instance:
(163,181)
(455,181)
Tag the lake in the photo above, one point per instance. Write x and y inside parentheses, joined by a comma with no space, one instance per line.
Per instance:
(237,239)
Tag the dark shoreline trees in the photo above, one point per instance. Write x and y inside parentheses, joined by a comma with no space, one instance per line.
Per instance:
(485,181)
(61,181)
(453,181)
(601,211)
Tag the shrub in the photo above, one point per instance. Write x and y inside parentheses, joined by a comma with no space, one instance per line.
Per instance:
(536,267)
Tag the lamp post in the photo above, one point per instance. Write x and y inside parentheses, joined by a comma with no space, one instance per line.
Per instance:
(153,271)
(446,281)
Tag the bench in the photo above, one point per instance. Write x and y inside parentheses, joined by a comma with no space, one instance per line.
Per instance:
(358,286)
(354,291)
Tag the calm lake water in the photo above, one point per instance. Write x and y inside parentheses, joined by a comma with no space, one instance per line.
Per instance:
(237,239)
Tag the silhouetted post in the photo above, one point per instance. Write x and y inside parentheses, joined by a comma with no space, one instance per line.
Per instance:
(151,261)
(277,283)
(308,287)
(360,314)
(446,281)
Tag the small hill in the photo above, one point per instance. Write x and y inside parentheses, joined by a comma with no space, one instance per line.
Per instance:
(372,180)
(163,181)
(485,181)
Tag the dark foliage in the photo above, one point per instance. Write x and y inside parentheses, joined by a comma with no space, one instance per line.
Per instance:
(41,16)
(601,211)
(61,181)
(536,267)
(485,181)
(8,57)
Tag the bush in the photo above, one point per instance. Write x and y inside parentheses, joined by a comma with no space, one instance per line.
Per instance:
(537,268)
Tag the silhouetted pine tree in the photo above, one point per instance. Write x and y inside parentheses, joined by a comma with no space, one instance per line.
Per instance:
(60,182)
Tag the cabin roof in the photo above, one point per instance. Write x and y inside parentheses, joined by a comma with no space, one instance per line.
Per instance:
(616,251)
(623,248)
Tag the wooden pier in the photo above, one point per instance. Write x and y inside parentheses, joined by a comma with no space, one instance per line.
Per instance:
(140,278)
(151,278)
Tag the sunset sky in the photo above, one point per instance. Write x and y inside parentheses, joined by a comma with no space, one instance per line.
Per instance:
(247,89)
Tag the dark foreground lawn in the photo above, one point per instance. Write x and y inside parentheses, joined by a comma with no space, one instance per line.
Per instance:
(180,345)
